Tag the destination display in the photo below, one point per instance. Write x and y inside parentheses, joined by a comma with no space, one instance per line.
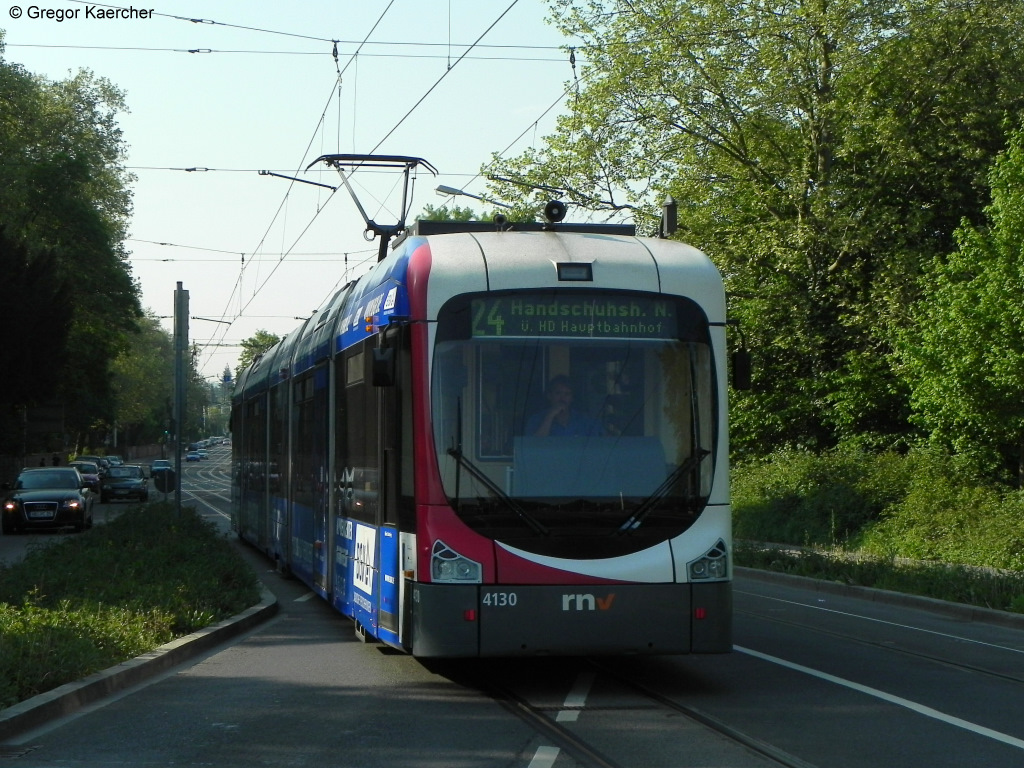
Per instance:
(564,315)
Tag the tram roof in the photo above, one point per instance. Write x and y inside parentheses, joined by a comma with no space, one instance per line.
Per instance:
(423,228)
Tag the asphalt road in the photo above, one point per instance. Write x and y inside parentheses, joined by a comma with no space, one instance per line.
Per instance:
(820,676)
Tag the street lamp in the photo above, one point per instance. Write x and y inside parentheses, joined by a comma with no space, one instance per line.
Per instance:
(452,192)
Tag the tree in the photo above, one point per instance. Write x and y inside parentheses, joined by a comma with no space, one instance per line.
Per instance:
(444,213)
(964,352)
(816,151)
(37,321)
(144,382)
(64,190)
(35,346)
(253,347)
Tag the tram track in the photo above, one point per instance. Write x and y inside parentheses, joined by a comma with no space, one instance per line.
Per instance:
(643,703)
(771,753)
(538,720)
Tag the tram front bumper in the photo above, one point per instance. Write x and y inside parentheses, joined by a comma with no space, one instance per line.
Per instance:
(482,620)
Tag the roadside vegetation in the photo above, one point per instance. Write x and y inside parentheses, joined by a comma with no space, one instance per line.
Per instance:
(860,194)
(116,591)
(918,522)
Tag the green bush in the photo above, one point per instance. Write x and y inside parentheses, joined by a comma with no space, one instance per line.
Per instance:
(943,520)
(111,593)
(918,523)
(826,500)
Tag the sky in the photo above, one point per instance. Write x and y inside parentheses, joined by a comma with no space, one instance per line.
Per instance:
(229,88)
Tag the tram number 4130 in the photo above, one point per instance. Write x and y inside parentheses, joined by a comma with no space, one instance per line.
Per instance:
(499,599)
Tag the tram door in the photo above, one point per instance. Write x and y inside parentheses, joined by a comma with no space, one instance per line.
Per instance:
(390,383)
(320,471)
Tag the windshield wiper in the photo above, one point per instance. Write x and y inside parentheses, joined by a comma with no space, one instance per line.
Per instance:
(494,488)
(645,507)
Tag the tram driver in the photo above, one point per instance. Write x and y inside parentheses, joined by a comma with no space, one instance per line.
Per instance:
(559,418)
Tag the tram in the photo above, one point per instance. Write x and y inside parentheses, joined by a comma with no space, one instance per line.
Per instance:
(391,452)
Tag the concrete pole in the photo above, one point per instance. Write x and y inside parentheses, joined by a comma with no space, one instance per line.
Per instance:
(180,388)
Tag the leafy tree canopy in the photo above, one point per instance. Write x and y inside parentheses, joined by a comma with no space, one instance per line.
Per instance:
(144,382)
(820,153)
(64,191)
(964,352)
(253,347)
(447,213)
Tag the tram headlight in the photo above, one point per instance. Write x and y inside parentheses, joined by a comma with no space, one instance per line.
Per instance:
(713,565)
(448,566)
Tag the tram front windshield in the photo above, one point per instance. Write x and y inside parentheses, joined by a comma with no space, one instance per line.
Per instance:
(567,417)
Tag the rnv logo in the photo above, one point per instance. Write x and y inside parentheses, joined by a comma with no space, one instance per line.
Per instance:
(587,602)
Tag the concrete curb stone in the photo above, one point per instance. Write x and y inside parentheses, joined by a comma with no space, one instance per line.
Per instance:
(959,611)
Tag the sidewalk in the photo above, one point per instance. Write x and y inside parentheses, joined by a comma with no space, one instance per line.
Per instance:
(71,697)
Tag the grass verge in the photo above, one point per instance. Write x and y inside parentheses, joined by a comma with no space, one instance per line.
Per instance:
(918,522)
(116,591)
(970,585)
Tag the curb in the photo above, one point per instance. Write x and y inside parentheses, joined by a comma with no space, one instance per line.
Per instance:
(71,697)
(960,611)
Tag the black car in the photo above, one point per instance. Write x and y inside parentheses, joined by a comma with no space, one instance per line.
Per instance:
(125,481)
(47,497)
(99,461)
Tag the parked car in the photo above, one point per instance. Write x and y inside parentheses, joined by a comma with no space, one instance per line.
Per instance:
(126,481)
(160,464)
(47,497)
(90,472)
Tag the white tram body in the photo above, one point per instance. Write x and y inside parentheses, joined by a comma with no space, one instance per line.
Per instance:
(393,452)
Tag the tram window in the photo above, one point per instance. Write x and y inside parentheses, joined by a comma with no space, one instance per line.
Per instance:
(355,368)
(607,381)
(654,398)
(650,387)
(506,389)
(360,477)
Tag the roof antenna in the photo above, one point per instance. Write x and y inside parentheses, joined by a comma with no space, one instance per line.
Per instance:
(354,162)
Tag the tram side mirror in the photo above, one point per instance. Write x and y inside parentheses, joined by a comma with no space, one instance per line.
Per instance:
(741,368)
(383,373)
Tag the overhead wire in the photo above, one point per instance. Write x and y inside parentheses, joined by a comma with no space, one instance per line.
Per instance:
(375,148)
(337,85)
(320,208)
(447,71)
(574,86)
(193,51)
(443,76)
(299,36)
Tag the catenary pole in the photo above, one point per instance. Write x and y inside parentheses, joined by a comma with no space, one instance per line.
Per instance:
(180,348)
